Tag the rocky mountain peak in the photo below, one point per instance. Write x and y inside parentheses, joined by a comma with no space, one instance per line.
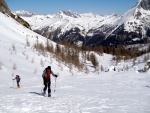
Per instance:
(68,13)
(4,8)
(145,4)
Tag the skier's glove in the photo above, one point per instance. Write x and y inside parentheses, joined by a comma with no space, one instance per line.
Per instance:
(56,76)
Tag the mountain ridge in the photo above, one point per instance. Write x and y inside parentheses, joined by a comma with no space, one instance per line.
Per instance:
(92,29)
(5,9)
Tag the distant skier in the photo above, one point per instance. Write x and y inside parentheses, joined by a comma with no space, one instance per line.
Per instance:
(47,80)
(17,78)
(147,66)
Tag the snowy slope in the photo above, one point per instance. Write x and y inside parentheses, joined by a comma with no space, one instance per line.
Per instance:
(106,92)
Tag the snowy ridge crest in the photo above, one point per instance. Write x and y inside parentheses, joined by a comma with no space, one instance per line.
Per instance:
(24,13)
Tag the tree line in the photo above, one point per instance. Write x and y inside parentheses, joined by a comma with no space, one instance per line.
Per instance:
(77,56)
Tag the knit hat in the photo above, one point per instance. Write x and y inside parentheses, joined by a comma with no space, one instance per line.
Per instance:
(49,67)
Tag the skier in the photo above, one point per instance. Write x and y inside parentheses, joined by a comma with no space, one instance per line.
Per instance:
(147,66)
(47,80)
(17,78)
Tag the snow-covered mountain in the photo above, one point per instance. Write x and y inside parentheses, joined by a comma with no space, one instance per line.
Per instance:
(24,13)
(92,29)
(134,26)
(70,26)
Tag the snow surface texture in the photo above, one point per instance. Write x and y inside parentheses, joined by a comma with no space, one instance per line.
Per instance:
(106,92)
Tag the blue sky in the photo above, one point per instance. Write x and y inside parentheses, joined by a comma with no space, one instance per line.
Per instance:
(80,6)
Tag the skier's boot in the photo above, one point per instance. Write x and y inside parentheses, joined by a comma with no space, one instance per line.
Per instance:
(49,95)
(44,92)
(18,86)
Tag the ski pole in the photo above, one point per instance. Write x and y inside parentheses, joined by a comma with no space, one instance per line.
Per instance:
(13,83)
(21,84)
(42,88)
(55,85)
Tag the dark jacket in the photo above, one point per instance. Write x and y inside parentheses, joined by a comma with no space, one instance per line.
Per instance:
(17,78)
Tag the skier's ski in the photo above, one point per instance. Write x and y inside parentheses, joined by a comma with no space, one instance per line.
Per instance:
(40,94)
(141,71)
(148,86)
(13,87)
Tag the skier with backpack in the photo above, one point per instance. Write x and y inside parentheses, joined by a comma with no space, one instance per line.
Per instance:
(147,67)
(17,78)
(47,80)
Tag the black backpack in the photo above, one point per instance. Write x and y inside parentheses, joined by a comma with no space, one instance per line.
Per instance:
(18,78)
(44,73)
(148,63)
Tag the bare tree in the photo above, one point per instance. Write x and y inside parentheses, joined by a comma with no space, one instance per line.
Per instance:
(41,62)
(86,69)
(13,74)
(70,68)
(126,67)
(51,60)
(101,68)
(27,56)
(35,70)
(93,60)
(134,61)
(32,59)
(14,66)
(27,42)
(13,47)
(23,53)
(97,68)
